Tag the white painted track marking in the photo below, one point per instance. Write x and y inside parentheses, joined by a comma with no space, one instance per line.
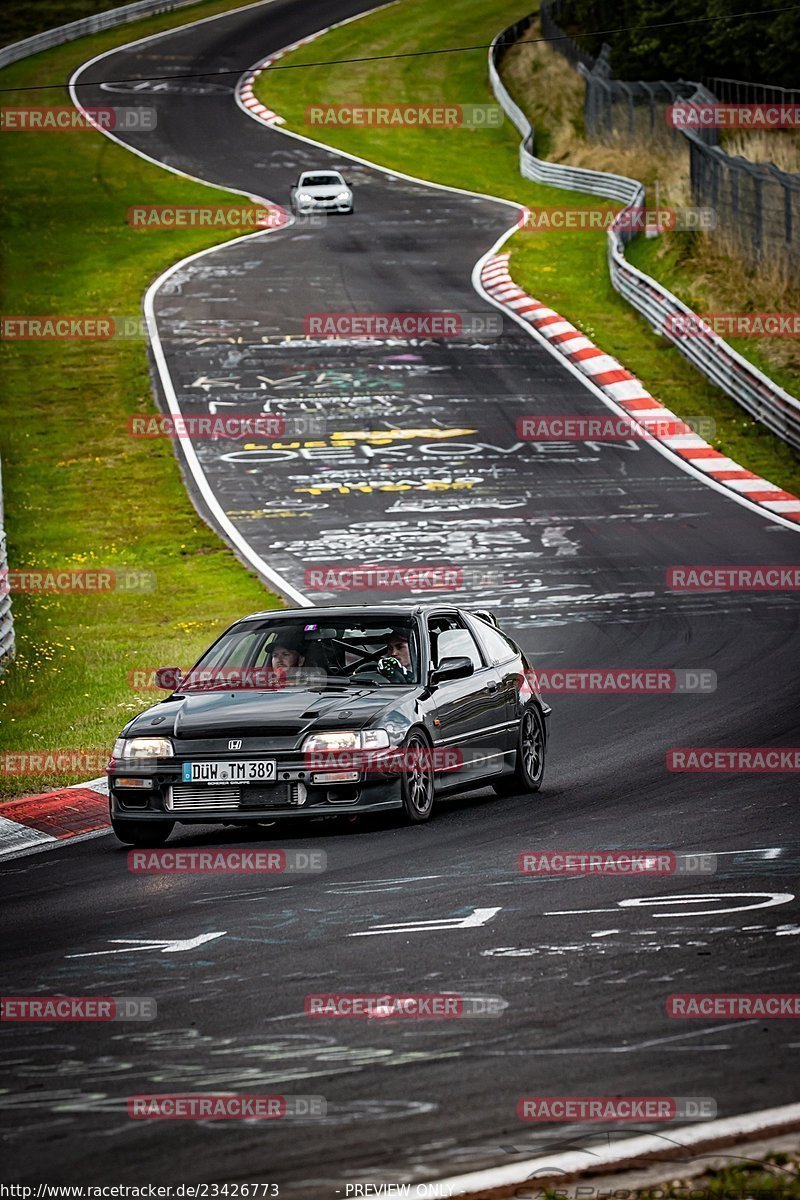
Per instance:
(478,916)
(165,945)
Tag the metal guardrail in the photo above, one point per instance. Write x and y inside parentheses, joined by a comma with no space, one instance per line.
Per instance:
(597,183)
(6,619)
(108,19)
(755,392)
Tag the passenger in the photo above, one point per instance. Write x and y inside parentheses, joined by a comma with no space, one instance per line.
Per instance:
(287,662)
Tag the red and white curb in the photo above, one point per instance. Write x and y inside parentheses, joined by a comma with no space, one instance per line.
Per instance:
(37,821)
(630,393)
(245,95)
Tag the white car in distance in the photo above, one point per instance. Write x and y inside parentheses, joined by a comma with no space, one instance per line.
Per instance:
(321,191)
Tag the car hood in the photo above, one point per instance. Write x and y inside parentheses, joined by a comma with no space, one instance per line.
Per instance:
(290,712)
(324,192)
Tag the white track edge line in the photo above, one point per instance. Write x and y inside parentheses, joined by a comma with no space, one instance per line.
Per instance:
(52,844)
(595,1159)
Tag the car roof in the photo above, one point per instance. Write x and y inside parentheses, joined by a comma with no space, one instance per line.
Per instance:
(348,610)
(321,171)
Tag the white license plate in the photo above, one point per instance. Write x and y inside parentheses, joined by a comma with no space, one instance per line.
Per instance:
(256,770)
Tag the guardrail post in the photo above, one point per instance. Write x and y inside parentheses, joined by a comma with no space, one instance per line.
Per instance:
(787,219)
(758,213)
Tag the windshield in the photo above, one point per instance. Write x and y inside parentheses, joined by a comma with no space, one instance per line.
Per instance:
(324,653)
(321,181)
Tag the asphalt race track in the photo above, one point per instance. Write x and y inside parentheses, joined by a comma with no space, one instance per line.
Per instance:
(574,542)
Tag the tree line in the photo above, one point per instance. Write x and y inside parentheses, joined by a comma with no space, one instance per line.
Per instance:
(759,48)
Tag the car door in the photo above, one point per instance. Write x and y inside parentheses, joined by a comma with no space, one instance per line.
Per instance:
(471,712)
(505,657)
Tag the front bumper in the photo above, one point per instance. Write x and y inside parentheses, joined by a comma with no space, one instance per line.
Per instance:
(297,792)
(316,206)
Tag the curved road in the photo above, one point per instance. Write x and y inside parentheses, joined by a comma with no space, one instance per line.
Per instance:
(574,542)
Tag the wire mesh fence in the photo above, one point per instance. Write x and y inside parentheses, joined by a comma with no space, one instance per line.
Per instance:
(622,111)
(737,91)
(550,14)
(756,204)
(718,361)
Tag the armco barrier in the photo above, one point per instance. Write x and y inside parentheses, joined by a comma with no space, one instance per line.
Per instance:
(755,392)
(93,24)
(6,619)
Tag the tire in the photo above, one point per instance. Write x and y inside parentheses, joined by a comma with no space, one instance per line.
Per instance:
(531,755)
(142,833)
(416,784)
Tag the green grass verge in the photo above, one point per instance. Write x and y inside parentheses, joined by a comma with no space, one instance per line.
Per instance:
(775,1177)
(78,490)
(563,268)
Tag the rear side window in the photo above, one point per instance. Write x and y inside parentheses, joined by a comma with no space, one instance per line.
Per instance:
(497,646)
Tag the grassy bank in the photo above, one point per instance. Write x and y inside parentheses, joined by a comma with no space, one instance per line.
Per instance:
(564,268)
(775,1177)
(79,492)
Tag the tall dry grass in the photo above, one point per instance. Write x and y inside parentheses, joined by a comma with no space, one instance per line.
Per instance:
(712,273)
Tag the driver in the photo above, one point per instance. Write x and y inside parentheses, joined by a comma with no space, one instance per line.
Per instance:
(286,659)
(396,665)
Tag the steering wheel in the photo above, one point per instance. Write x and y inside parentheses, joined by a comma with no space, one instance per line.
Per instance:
(362,664)
(368,677)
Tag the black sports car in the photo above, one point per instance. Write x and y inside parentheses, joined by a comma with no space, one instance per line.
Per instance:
(318,711)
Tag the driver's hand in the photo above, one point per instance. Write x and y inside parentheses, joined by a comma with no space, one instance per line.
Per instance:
(390,667)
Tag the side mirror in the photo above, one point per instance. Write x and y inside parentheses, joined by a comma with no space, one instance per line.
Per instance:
(452,668)
(168,678)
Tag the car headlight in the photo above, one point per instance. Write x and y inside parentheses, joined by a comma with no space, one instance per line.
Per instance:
(343,197)
(347,739)
(143,747)
(304,197)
